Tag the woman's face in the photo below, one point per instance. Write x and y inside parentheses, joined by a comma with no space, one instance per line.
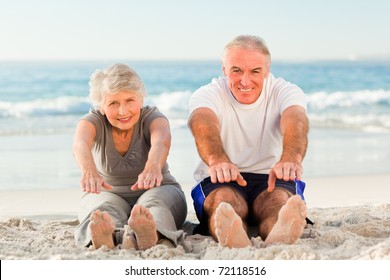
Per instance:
(122,109)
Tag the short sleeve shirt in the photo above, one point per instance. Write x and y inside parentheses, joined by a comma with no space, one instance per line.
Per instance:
(250,133)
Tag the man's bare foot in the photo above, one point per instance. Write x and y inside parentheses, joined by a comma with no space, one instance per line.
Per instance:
(102,228)
(228,227)
(290,224)
(142,223)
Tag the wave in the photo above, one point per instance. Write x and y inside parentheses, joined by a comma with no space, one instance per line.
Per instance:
(368,110)
(63,105)
(172,103)
(365,109)
(324,100)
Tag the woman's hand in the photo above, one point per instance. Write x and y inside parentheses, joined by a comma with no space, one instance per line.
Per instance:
(92,182)
(149,178)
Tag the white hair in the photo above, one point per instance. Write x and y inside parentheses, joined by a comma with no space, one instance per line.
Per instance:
(247,42)
(114,79)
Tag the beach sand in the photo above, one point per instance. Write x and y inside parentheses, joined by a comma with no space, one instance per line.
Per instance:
(351,215)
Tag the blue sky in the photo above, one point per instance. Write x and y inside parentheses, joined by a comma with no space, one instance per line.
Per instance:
(180,29)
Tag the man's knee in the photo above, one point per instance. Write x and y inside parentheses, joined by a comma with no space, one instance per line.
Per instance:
(220,195)
(268,204)
(227,195)
(279,195)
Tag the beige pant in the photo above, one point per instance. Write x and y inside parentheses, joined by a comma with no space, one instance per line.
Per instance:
(166,203)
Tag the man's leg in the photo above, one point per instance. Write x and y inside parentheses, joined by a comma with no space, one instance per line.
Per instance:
(227,209)
(281,216)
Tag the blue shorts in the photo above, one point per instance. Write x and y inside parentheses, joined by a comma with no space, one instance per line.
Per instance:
(256,184)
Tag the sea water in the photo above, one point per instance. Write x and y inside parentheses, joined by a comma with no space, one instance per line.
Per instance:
(41,102)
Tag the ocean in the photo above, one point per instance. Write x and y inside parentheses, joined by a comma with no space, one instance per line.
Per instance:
(41,102)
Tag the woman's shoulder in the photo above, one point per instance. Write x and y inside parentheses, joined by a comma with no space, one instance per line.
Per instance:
(148,115)
(95,117)
(151,112)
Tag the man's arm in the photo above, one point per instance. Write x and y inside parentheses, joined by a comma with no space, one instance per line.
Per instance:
(294,125)
(206,129)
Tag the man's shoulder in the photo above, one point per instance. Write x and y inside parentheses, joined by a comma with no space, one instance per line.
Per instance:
(212,95)
(215,90)
(280,84)
(216,85)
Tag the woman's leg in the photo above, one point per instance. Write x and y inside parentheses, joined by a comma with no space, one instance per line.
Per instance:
(116,207)
(168,208)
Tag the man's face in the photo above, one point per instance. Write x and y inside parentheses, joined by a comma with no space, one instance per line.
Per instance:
(246,70)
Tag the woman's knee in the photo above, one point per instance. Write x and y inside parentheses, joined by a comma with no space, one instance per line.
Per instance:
(163,195)
(104,201)
(166,203)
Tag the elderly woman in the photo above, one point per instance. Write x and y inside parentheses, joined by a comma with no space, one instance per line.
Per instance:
(122,147)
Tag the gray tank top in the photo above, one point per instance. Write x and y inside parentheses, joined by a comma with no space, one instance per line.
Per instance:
(122,171)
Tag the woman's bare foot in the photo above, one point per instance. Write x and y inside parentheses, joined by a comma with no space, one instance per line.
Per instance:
(229,228)
(128,241)
(290,224)
(142,223)
(102,228)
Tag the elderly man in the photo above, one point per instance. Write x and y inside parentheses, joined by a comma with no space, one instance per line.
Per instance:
(250,130)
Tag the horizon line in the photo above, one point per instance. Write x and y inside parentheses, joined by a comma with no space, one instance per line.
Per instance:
(111,60)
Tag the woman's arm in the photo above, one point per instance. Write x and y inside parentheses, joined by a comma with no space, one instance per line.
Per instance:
(160,139)
(83,139)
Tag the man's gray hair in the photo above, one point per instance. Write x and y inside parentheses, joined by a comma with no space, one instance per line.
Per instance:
(247,42)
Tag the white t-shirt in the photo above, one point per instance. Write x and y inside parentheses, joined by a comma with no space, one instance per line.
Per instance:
(250,133)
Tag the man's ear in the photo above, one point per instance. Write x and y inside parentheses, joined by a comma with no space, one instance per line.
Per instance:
(268,70)
(224,70)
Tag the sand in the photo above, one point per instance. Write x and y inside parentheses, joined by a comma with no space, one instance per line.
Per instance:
(351,215)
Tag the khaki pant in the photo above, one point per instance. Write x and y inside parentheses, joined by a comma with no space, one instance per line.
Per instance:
(166,203)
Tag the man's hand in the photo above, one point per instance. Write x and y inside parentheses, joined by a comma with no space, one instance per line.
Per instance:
(286,171)
(225,172)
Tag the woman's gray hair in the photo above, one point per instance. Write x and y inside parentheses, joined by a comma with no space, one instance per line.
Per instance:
(114,79)
(247,42)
